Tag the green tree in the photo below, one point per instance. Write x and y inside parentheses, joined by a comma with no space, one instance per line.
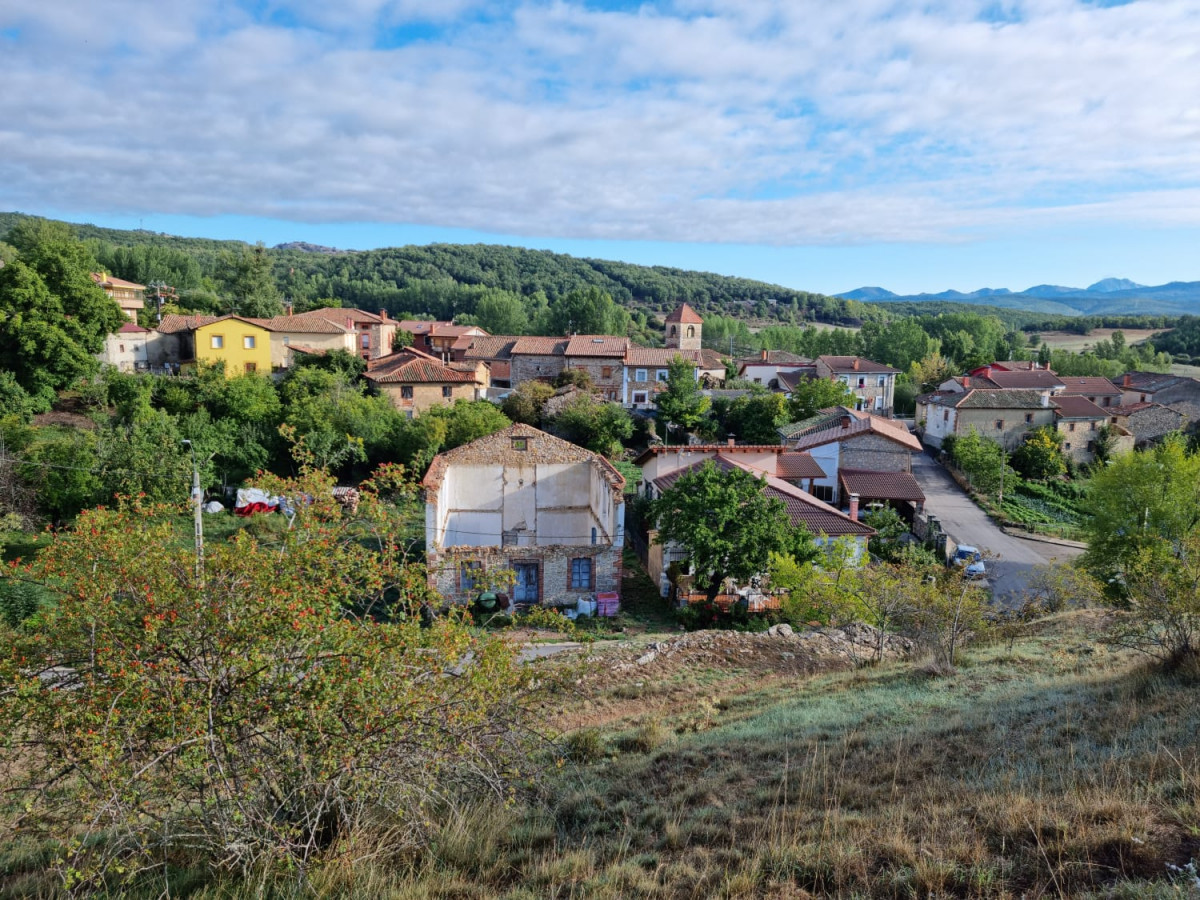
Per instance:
(600,427)
(253,717)
(467,420)
(524,404)
(681,405)
(1040,457)
(502,312)
(984,462)
(248,281)
(1161,597)
(812,395)
(1142,504)
(587,311)
(753,418)
(724,522)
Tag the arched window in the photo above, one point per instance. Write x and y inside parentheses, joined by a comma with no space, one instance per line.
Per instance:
(672,331)
(691,331)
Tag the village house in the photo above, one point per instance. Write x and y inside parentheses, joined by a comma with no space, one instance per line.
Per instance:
(414,380)
(128,348)
(309,334)
(990,378)
(860,454)
(769,365)
(873,384)
(1001,415)
(439,338)
(1147,422)
(1098,390)
(374,333)
(130,296)
(1178,392)
(175,343)
(494,351)
(523,501)
(783,473)
(1080,421)
(243,345)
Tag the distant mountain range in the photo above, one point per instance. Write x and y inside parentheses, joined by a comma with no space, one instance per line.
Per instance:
(1109,296)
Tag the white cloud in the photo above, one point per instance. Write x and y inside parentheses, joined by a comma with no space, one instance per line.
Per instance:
(749,121)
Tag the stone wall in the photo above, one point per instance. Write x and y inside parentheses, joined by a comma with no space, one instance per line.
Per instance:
(534,368)
(554,569)
(605,372)
(427,395)
(874,453)
(1012,434)
(1151,423)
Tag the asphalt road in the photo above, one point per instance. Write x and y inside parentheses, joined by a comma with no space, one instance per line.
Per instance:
(1012,558)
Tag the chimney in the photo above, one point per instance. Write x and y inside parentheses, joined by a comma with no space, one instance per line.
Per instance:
(383,314)
(764,355)
(854,507)
(289,307)
(966,381)
(1046,399)
(856,364)
(349,323)
(731,441)
(1127,381)
(987,371)
(846,421)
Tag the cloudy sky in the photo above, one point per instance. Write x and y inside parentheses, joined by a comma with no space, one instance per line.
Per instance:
(823,144)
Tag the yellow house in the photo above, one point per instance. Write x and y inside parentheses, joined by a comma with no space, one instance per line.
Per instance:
(244,347)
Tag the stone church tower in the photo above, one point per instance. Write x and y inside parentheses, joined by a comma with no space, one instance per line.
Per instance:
(684,328)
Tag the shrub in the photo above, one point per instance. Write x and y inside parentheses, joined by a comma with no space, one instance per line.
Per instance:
(583,746)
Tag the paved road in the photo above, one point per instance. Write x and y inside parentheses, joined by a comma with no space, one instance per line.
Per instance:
(968,524)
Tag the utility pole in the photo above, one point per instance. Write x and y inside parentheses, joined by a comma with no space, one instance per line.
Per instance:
(197,506)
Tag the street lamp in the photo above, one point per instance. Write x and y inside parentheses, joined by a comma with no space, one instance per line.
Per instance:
(197,502)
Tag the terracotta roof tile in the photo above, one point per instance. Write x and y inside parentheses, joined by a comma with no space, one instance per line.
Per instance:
(659,357)
(1075,407)
(1038,378)
(596,345)
(406,368)
(684,315)
(1088,385)
(881,485)
(797,464)
(493,346)
(845,365)
(538,346)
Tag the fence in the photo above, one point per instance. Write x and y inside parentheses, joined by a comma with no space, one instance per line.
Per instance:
(755,603)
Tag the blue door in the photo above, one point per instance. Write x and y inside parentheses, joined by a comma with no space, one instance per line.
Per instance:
(526,588)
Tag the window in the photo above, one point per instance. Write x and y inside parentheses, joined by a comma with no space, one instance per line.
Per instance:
(1143,398)
(1091,446)
(639,375)
(286,340)
(674,331)
(1028,417)
(879,403)
(366,341)
(406,392)
(1104,401)
(606,371)
(581,574)
(248,342)
(520,443)
(823,492)
(639,397)
(1071,427)
(661,375)
(469,574)
(999,424)
(121,348)
(862,382)
(1066,446)
(250,368)
(217,341)
(945,415)
(447,390)
(882,381)
(691,331)
(594,535)
(1092,426)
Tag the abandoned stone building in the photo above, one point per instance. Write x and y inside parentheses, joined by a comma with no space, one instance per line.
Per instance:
(526,503)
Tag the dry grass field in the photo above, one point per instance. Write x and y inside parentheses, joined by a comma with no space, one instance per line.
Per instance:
(1065,340)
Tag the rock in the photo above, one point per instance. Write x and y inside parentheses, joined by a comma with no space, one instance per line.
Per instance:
(647,658)
(783,629)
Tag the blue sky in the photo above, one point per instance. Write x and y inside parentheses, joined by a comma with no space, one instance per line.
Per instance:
(824,146)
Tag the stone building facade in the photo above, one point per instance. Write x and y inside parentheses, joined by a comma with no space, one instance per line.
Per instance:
(685,328)
(1176,391)
(1147,422)
(526,503)
(1004,416)
(415,381)
(872,384)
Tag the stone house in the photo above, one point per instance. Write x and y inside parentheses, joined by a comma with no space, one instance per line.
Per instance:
(1004,416)
(1147,422)
(314,334)
(374,333)
(1098,390)
(1176,391)
(536,359)
(1079,421)
(523,501)
(844,440)
(769,365)
(439,339)
(602,357)
(415,381)
(873,384)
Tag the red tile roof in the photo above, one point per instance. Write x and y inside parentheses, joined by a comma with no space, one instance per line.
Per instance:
(103,279)
(131,328)
(685,315)
(172,323)
(881,485)
(405,367)
(797,464)
(835,430)
(846,364)
(660,357)
(538,346)
(1076,384)
(1036,379)
(596,345)
(305,323)
(1073,406)
(493,346)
